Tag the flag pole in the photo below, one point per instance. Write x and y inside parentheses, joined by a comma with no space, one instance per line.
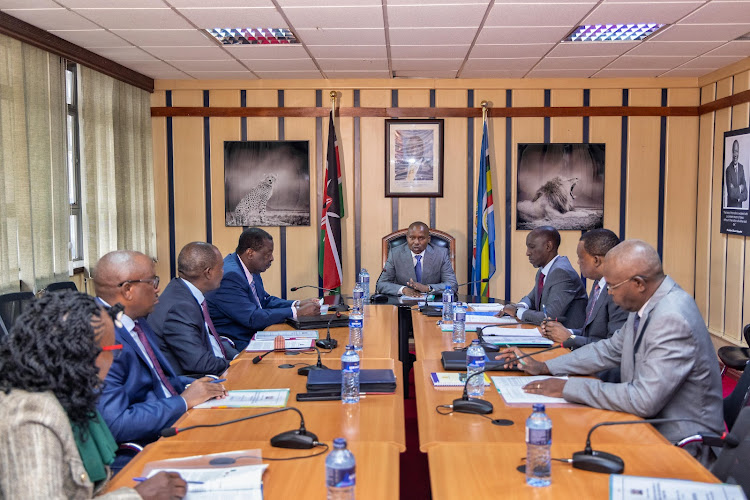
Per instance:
(485,108)
(332,94)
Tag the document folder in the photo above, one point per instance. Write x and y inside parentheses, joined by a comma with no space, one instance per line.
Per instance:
(383,380)
(317,322)
(456,360)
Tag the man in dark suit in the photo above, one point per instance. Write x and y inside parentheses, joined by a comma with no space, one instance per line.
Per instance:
(603,316)
(417,267)
(186,335)
(735,180)
(558,289)
(241,306)
(141,394)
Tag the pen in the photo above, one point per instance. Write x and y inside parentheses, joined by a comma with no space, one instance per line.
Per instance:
(218,381)
(141,479)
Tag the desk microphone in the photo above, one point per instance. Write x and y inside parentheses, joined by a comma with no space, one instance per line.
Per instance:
(328,342)
(295,288)
(601,461)
(305,370)
(298,439)
(257,359)
(483,280)
(465,404)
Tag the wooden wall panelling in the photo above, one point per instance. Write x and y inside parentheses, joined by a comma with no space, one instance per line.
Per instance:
(704,204)
(527,130)
(643,169)
(161,203)
(222,129)
(607,130)
(376,208)
(413,209)
(680,191)
(718,256)
(189,193)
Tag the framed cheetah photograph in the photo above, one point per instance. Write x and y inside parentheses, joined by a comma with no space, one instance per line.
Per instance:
(267,183)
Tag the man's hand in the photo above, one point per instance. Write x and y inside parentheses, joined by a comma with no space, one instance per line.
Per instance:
(201,391)
(555,331)
(308,307)
(416,285)
(552,387)
(410,292)
(163,486)
(509,310)
(529,364)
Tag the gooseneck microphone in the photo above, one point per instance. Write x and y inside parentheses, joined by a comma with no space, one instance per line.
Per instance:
(465,404)
(328,342)
(295,288)
(483,280)
(305,370)
(299,438)
(257,359)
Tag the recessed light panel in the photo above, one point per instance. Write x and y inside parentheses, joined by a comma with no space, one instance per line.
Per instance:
(612,32)
(253,36)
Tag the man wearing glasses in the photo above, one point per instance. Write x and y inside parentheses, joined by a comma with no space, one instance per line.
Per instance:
(667,361)
(141,394)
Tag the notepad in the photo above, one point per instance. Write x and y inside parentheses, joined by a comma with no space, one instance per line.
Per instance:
(237,482)
(511,389)
(254,398)
(623,487)
(267,345)
(287,334)
(454,379)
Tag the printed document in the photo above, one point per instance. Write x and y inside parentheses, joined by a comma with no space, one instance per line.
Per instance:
(510,388)
(654,488)
(240,482)
(253,398)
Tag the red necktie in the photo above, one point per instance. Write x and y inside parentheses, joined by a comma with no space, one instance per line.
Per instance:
(152,357)
(539,288)
(211,328)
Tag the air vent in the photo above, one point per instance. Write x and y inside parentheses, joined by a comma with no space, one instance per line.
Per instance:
(253,36)
(612,32)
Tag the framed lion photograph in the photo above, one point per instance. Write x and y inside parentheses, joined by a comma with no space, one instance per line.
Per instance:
(267,183)
(560,185)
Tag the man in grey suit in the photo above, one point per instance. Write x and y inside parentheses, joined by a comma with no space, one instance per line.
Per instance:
(417,267)
(668,364)
(558,291)
(603,316)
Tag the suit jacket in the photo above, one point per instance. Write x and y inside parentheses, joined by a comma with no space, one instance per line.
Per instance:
(399,269)
(606,318)
(181,333)
(563,295)
(38,455)
(133,403)
(735,197)
(233,309)
(673,374)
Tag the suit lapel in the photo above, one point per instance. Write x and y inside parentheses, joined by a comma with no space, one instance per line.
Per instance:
(409,263)
(126,338)
(600,300)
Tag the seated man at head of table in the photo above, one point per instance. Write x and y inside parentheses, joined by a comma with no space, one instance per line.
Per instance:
(667,361)
(417,267)
(186,335)
(241,306)
(558,291)
(141,394)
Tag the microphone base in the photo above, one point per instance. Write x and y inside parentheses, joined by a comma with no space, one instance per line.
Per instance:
(598,461)
(296,439)
(327,343)
(305,370)
(472,405)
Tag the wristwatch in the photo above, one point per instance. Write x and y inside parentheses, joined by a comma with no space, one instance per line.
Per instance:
(430,289)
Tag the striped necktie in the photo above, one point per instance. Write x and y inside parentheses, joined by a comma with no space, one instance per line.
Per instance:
(150,353)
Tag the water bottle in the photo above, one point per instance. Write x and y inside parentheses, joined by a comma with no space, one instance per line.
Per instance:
(358,297)
(447,304)
(350,375)
(459,324)
(356,321)
(475,363)
(538,442)
(340,472)
(364,280)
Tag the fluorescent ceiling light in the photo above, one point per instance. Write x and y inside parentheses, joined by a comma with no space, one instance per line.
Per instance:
(612,32)
(252,36)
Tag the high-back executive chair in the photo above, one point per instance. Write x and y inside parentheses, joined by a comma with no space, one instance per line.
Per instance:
(437,239)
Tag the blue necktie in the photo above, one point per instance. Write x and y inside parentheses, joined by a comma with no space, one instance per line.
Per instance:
(418,268)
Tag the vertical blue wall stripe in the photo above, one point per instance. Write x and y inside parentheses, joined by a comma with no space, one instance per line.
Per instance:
(547,120)
(207,167)
(170,189)
(469,184)
(243,120)
(662,176)
(624,165)
(394,201)
(357,190)
(508,187)
(433,200)
(282,229)
(320,171)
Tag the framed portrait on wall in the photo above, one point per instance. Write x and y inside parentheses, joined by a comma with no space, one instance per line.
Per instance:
(414,158)
(560,185)
(734,195)
(267,183)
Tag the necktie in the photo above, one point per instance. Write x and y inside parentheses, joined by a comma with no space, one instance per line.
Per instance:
(152,357)
(636,322)
(539,288)
(418,268)
(211,328)
(255,294)
(592,301)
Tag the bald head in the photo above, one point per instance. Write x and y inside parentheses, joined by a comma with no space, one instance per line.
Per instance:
(201,264)
(127,277)
(635,258)
(633,272)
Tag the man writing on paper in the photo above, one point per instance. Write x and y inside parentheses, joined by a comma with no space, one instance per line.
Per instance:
(417,267)
(241,306)
(558,292)
(668,364)
(186,335)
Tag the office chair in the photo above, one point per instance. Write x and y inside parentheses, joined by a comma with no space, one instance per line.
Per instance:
(731,465)
(735,357)
(12,305)
(61,285)
(437,239)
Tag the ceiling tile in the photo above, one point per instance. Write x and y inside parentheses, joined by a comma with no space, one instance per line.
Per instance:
(235,17)
(112,4)
(167,75)
(358,74)
(431,36)
(424,74)
(712,62)
(590,2)
(701,32)
(738,48)
(720,12)
(166,38)
(524,63)
(52,19)
(627,73)
(426,64)
(349,51)
(673,48)
(429,51)
(539,34)
(592,63)
(92,38)
(681,72)
(191,66)
(124,54)
(648,62)
(283,75)
(338,64)
(269,51)
(484,73)
(550,14)
(222,75)
(436,2)
(511,50)
(342,36)
(583,49)
(285,65)
(335,17)
(560,73)
(127,18)
(188,53)
(436,16)
(28,4)
(637,12)
(181,4)
(316,3)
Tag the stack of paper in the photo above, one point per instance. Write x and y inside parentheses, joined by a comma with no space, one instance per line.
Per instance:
(514,336)
(239,482)
(255,398)
(494,307)
(287,334)
(291,343)
(633,487)
(452,379)
(510,388)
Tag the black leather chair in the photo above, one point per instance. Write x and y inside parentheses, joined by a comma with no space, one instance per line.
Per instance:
(12,305)
(61,285)
(737,400)
(731,465)
(437,239)
(736,357)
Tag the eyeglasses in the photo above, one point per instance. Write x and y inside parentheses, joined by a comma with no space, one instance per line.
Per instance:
(612,287)
(154,281)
